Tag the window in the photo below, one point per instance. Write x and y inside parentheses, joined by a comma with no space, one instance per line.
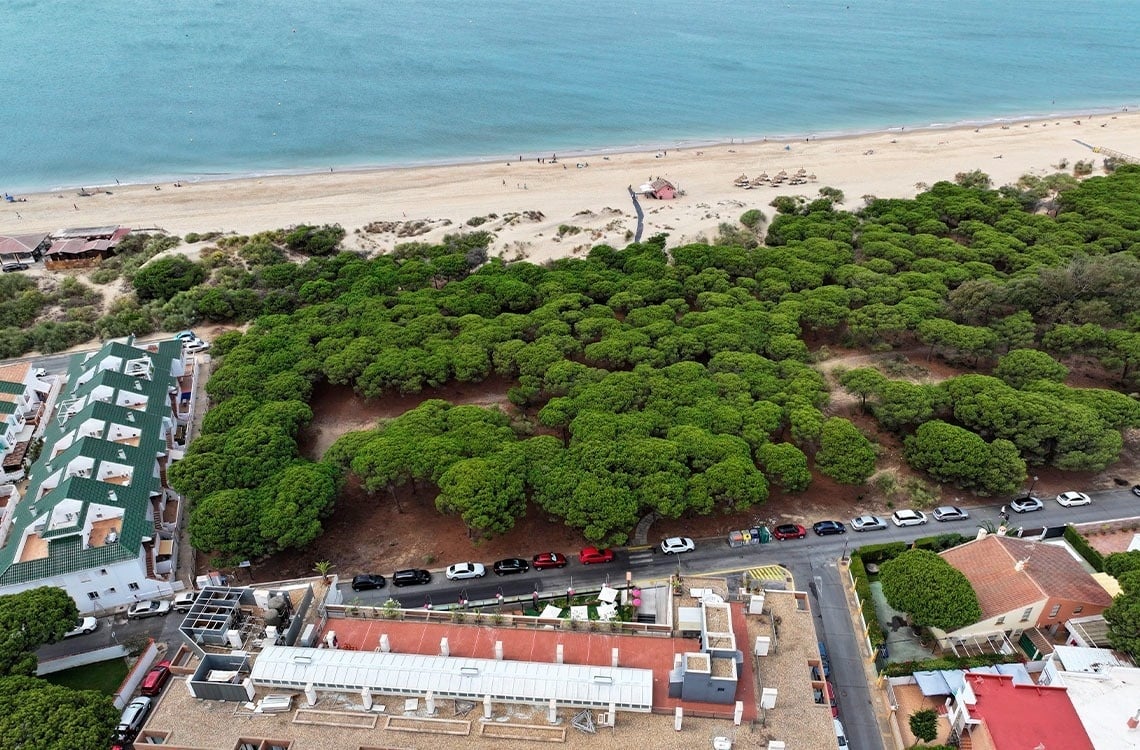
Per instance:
(102,571)
(999,620)
(1077,610)
(111,590)
(1053,612)
(133,586)
(1025,615)
(92,594)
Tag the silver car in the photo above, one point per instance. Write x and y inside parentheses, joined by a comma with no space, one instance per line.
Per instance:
(464,570)
(950,513)
(868,523)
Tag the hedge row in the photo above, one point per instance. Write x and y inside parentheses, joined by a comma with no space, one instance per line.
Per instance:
(1084,549)
(875,632)
(902,669)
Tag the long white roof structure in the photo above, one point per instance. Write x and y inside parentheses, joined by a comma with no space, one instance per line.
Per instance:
(455,677)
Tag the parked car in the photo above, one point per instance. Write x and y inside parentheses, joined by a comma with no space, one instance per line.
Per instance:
(908,517)
(868,523)
(83,627)
(789,531)
(826,528)
(465,570)
(831,700)
(591,555)
(950,513)
(184,601)
(411,577)
(840,735)
(1136,490)
(10,267)
(544,560)
(366,581)
(148,608)
(186,335)
(823,659)
(1071,498)
(510,566)
(1026,504)
(39,373)
(133,718)
(194,346)
(156,678)
(677,544)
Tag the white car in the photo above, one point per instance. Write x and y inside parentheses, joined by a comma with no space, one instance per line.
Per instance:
(464,570)
(184,601)
(677,544)
(907,517)
(194,346)
(868,523)
(148,608)
(950,513)
(83,627)
(1071,498)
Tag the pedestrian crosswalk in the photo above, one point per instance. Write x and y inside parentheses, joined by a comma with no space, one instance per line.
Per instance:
(769,573)
(641,557)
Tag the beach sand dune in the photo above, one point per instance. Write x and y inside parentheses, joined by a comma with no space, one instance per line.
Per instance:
(534,199)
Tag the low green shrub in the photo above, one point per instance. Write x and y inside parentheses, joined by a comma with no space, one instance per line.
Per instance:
(904,668)
(1084,549)
(877,553)
(875,632)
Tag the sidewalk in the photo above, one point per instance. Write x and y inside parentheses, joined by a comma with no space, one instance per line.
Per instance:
(884,716)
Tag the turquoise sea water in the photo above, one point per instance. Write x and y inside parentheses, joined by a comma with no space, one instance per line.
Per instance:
(138,90)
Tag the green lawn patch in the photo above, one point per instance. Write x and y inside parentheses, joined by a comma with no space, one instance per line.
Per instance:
(103,676)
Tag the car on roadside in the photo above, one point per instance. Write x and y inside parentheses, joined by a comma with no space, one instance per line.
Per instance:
(411,577)
(840,734)
(39,373)
(194,346)
(83,627)
(908,517)
(591,555)
(186,335)
(1136,490)
(156,679)
(10,267)
(949,513)
(368,581)
(510,566)
(1027,504)
(675,545)
(133,718)
(148,608)
(789,531)
(827,528)
(464,571)
(1073,498)
(868,523)
(831,700)
(544,560)
(185,600)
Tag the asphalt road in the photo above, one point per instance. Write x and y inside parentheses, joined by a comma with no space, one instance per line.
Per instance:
(813,562)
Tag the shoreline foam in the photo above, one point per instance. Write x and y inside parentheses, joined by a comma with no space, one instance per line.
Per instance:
(890,163)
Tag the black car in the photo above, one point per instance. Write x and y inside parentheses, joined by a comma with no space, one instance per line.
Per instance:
(367,581)
(510,565)
(411,577)
(824,528)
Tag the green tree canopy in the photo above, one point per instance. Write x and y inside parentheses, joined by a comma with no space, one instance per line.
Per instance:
(1022,366)
(30,619)
(845,454)
(37,714)
(930,590)
(163,278)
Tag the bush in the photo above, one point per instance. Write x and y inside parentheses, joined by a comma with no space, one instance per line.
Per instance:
(1084,549)
(906,668)
(941,542)
(166,277)
(752,218)
(878,553)
(312,240)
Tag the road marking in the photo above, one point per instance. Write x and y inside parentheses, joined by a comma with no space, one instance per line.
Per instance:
(768,573)
(641,558)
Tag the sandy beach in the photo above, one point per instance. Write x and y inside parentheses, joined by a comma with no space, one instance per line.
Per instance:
(533,199)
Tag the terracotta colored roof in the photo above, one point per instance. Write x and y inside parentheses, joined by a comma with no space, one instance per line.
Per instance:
(14,373)
(20,244)
(1021,717)
(990,564)
(660,183)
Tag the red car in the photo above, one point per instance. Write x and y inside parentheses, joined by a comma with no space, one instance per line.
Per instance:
(545,560)
(591,555)
(156,678)
(789,531)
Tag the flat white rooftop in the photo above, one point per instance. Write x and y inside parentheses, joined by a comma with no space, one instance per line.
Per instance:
(528,682)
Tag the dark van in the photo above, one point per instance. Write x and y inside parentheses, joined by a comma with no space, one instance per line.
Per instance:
(411,577)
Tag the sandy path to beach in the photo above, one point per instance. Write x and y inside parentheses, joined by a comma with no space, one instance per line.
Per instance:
(887,164)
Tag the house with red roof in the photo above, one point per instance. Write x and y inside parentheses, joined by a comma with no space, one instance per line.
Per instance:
(1021,584)
(990,711)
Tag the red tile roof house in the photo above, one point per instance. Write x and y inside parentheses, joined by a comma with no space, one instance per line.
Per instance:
(995,713)
(1021,584)
(661,189)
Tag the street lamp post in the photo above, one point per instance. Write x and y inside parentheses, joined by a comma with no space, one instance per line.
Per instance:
(1032,484)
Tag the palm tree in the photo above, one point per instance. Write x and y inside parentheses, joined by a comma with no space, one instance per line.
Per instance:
(322,569)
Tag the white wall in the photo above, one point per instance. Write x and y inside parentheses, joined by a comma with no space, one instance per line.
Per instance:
(118,577)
